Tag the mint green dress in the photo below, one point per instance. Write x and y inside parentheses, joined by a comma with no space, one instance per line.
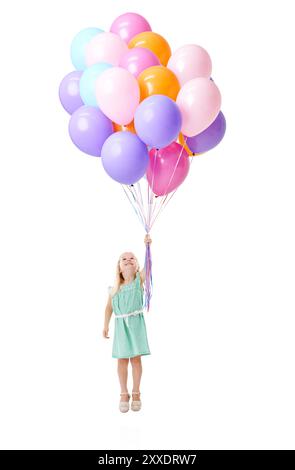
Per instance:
(130,337)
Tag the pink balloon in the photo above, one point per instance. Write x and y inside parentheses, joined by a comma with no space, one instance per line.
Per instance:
(129,25)
(167,169)
(190,62)
(117,94)
(138,59)
(105,47)
(199,101)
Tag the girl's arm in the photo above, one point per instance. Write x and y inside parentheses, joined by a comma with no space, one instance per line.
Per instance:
(142,276)
(107,317)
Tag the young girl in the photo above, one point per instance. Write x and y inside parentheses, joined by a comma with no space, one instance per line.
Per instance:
(130,337)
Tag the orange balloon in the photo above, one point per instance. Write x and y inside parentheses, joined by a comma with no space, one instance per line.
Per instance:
(182,141)
(158,80)
(155,43)
(129,127)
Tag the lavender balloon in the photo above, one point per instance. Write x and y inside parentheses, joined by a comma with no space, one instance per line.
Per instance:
(124,157)
(89,128)
(69,92)
(210,137)
(157,121)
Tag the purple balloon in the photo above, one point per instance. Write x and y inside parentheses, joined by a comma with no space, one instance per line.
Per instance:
(138,59)
(124,157)
(157,121)
(89,128)
(69,92)
(210,137)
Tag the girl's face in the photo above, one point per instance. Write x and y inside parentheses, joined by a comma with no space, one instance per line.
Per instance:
(128,262)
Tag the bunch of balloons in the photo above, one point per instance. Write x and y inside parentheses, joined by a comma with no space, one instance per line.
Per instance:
(139,107)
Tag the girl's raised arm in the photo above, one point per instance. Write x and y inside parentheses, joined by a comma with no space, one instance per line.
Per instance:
(142,275)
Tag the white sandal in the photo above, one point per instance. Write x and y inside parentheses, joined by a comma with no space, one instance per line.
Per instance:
(124,405)
(135,404)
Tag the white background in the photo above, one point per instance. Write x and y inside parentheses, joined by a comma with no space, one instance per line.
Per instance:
(221,327)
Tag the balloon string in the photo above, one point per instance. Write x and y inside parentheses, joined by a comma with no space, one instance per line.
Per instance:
(141,208)
(138,202)
(169,199)
(142,203)
(179,156)
(140,193)
(163,199)
(148,257)
(148,198)
(135,210)
(148,291)
(156,199)
(156,205)
(150,203)
(151,197)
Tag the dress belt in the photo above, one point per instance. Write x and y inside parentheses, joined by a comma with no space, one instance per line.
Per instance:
(124,315)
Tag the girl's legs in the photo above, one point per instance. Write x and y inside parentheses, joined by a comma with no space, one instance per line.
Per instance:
(123,375)
(136,374)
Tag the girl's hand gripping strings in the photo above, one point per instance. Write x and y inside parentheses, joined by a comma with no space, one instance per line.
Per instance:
(147,239)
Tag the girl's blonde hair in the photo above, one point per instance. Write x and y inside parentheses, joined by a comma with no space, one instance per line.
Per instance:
(119,279)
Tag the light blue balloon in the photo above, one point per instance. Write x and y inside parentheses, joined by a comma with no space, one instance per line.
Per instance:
(78,46)
(87,82)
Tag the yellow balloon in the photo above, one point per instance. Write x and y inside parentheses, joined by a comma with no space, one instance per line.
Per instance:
(129,127)
(182,141)
(158,80)
(155,43)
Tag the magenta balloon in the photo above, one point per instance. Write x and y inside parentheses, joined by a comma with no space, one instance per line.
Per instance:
(124,157)
(138,59)
(129,25)
(69,91)
(89,128)
(167,169)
